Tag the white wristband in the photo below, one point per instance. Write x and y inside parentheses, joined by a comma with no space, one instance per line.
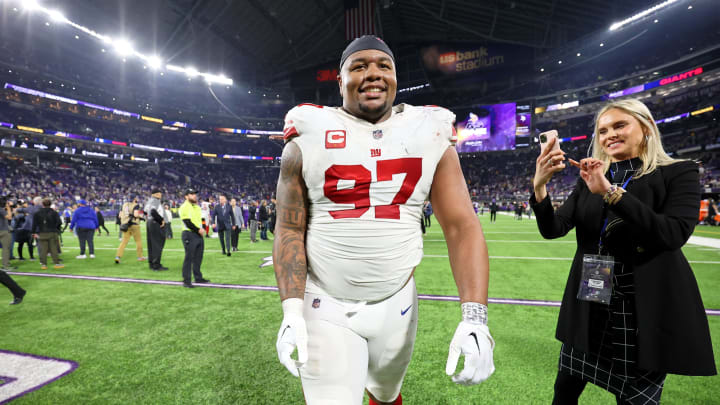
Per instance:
(293,306)
(475,313)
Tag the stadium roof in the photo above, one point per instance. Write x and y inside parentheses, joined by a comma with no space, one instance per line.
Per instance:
(267,39)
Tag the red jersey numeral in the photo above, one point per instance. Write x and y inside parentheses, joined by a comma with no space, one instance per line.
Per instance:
(359,194)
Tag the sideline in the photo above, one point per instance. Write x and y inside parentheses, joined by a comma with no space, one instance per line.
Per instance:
(428,297)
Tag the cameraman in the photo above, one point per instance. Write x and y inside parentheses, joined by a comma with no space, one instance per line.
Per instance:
(5,240)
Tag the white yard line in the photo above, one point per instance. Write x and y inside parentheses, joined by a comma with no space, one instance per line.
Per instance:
(703,241)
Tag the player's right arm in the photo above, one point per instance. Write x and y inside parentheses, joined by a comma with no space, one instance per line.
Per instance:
(289,257)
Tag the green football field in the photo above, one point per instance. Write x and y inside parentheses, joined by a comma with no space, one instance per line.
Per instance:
(138,343)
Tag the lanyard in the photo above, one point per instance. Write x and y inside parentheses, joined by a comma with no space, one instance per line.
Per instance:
(605,221)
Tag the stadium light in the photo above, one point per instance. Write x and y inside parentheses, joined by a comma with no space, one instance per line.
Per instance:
(175,68)
(57,16)
(31,5)
(191,71)
(123,47)
(154,62)
(641,14)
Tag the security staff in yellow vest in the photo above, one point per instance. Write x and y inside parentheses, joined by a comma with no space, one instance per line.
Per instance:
(192,238)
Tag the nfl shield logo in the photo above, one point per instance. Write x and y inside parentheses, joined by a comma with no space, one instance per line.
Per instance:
(316,303)
(377,134)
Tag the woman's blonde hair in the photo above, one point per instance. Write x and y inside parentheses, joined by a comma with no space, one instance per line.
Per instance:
(652,152)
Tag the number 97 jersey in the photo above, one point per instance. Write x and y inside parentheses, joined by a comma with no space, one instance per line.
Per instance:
(366,187)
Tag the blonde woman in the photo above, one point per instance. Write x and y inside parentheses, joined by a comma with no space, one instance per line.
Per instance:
(631,312)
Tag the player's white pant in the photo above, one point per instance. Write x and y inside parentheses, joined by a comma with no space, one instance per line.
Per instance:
(353,345)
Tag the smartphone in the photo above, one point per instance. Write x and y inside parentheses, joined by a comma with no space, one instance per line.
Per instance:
(545,138)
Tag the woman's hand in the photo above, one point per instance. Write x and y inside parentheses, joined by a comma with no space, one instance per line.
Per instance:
(548,163)
(592,172)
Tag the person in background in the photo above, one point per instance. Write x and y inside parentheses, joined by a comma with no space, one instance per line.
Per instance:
(85,222)
(168,222)
(47,225)
(130,217)
(238,214)
(427,213)
(631,312)
(252,220)
(20,235)
(273,215)
(246,212)
(264,219)
(155,231)
(493,210)
(192,238)
(30,211)
(101,222)
(224,220)
(5,239)
(5,236)
(118,224)
(67,217)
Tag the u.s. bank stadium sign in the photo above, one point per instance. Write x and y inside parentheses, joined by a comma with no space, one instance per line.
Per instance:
(457,59)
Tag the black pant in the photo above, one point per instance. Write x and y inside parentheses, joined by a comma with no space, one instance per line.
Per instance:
(86,235)
(155,243)
(194,245)
(8,282)
(568,389)
(235,236)
(493,216)
(103,227)
(427,220)
(224,236)
(22,237)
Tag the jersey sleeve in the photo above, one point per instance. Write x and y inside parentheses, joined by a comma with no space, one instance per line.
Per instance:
(445,120)
(297,120)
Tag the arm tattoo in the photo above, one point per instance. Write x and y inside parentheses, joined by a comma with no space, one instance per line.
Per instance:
(289,257)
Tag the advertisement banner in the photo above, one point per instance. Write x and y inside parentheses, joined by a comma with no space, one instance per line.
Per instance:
(448,59)
(487,128)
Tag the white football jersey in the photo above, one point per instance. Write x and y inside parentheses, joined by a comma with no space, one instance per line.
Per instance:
(366,187)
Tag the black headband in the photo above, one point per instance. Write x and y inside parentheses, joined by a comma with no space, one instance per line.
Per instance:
(363,43)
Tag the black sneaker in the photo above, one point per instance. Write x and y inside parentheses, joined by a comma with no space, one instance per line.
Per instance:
(202,281)
(17,300)
(161,268)
(188,285)
(229,254)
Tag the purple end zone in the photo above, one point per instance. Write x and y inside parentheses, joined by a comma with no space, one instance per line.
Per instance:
(428,297)
(73,366)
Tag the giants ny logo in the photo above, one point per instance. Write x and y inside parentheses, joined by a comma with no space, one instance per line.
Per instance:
(375,152)
(335,139)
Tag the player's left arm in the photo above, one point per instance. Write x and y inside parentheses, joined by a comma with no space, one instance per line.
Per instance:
(468,255)
(465,241)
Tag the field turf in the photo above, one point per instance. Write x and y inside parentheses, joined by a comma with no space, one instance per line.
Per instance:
(161,344)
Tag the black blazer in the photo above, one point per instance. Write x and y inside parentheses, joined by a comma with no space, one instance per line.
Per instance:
(659,212)
(223,217)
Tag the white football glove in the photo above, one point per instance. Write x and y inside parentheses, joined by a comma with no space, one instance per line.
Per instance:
(473,341)
(292,334)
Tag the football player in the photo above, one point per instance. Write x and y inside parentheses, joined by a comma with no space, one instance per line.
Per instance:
(350,195)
